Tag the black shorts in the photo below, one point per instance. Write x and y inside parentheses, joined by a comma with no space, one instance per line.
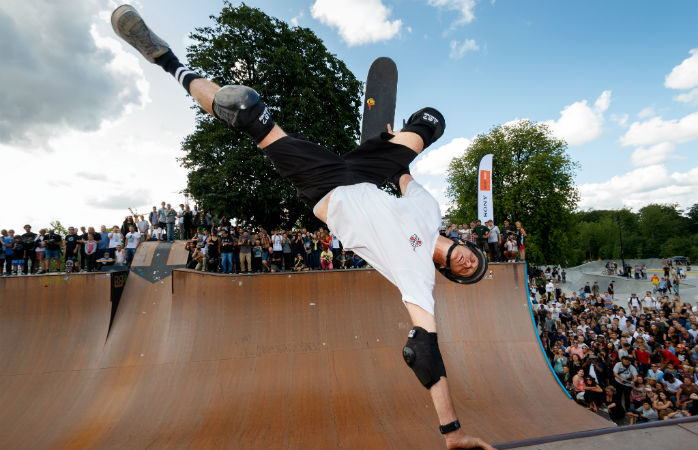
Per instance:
(314,170)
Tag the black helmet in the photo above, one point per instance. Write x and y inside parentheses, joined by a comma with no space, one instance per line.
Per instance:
(475,277)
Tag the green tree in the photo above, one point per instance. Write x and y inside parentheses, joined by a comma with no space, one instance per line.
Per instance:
(532,181)
(308,90)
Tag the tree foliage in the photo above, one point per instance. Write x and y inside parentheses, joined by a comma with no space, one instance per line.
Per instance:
(532,181)
(308,90)
(654,231)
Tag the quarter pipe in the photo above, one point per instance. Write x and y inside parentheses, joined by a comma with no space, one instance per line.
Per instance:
(310,360)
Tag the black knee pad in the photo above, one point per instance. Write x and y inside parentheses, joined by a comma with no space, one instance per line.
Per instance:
(421,353)
(240,108)
(428,123)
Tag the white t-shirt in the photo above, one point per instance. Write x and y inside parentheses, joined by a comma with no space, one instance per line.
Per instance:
(396,236)
(114,239)
(276,242)
(132,239)
(156,233)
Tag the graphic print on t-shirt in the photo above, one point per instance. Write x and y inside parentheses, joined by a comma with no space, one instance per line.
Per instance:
(415,242)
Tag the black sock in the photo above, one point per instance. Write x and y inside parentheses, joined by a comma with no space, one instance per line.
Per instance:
(182,73)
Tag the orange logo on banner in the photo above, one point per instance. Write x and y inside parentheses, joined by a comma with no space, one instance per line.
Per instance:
(370,102)
(485,180)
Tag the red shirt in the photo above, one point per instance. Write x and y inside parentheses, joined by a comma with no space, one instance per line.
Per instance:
(668,356)
(642,356)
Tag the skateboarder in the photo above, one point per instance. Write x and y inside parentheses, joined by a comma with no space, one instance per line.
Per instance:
(397,236)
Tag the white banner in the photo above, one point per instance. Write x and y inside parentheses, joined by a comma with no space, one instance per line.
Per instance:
(484,190)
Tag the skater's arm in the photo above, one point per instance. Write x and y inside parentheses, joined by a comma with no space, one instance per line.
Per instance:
(440,394)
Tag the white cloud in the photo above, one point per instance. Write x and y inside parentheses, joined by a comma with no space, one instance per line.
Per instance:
(688,97)
(59,73)
(436,161)
(655,154)
(646,112)
(464,8)
(458,50)
(621,120)
(656,130)
(580,123)
(358,21)
(635,189)
(294,20)
(685,75)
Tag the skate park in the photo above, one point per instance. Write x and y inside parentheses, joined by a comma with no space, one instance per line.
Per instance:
(184,359)
(176,347)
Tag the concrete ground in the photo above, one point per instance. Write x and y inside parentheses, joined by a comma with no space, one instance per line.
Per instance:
(595,271)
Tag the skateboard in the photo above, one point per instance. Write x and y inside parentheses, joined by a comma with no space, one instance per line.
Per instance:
(379,98)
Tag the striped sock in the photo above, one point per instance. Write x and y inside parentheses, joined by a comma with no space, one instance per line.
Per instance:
(182,73)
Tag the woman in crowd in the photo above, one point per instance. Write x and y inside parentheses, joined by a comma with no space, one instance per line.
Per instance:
(326,259)
(520,239)
(593,394)
(213,251)
(316,248)
(287,251)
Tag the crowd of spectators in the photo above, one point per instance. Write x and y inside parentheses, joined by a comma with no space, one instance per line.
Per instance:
(634,362)
(507,244)
(214,244)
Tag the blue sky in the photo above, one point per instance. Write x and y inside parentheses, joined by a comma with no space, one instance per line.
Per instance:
(617,80)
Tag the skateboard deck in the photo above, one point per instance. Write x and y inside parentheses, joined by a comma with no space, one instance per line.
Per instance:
(379,98)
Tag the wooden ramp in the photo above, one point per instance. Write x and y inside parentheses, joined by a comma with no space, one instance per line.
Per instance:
(310,360)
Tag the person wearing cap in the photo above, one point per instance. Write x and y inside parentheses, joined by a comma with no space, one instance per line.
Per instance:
(624,374)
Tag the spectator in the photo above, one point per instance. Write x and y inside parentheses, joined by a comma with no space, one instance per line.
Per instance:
(257,255)
(18,255)
(521,238)
(153,217)
(227,243)
(356,261)
(213,251)
(624,374)
(245,252)
(481,233)
(511,250)
(287,252)
(143,227)
(593,394)
(162,218)
(494,240)
(199,256)
(326,259)
(103,242)
(133,240)
(115,240)
(105,260)
(40,251)
(316,250)
(72,249)
(171,220)
(53,250)
(8,241)
(156,233)
(29,244)
(90,245)
(343,260)
(299,263)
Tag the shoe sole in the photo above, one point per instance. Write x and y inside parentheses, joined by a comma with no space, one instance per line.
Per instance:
(131,27)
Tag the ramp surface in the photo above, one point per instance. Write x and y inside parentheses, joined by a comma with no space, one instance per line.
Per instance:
(309,360)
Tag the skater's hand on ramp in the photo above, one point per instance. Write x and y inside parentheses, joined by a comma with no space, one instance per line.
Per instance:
(458,439)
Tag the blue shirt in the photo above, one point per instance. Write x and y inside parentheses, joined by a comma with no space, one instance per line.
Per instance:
(8,241)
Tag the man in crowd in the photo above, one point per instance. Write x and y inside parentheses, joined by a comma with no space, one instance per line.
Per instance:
(323,178)
(71,249)
(133,240)
(494,240)
(481,233)
(29,242)
(162,218)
